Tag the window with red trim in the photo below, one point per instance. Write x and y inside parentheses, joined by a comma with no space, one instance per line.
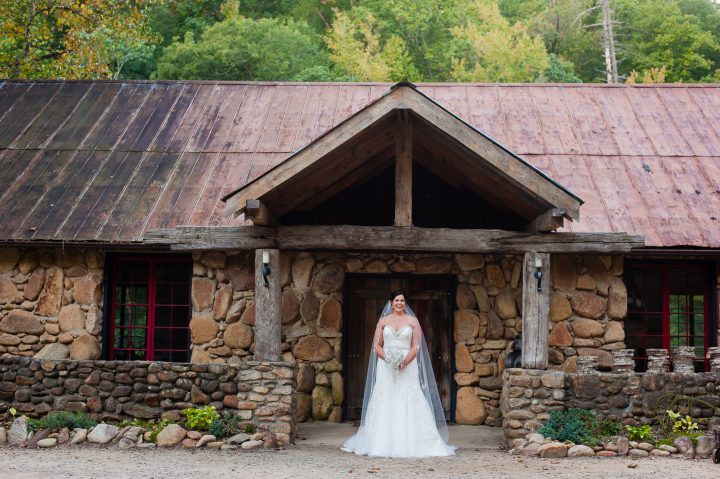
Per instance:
(150,309)
(667,307)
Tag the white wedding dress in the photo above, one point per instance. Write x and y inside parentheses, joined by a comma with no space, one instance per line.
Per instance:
(398,421)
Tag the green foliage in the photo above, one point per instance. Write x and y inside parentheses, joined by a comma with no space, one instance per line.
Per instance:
(639,433)
(71,38)
(559,71)
(244,49)
(200,417)
(249,429)
(608,427)
(682,425)
(576,425)
(59,420)
(657,34)
(225,425)
(156,427)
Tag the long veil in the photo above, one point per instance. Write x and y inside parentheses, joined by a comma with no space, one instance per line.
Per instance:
(425,371)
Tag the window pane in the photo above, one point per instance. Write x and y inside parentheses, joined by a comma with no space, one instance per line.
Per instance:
(181,293)
(163,293)
(163,356)
(139,315)
(141,271)
(180,339)
(162,316)
(162,338)
(180,356)
(121,355)
(181,316)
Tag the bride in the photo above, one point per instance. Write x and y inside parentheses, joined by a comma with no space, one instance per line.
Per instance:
(402,415)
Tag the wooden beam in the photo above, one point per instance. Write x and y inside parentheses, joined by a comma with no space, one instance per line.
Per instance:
(389,238)
(535,311)
(258,213)
(551,220)
(403,170)
(267,306)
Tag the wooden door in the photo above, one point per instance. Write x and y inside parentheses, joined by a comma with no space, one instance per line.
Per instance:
(431,299)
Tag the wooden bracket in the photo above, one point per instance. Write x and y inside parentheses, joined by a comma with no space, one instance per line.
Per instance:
(259,214)
(551,220)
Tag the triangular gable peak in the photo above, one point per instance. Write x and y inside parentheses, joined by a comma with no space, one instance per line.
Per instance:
(406,134)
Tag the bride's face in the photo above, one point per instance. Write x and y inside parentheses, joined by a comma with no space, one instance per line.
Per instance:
(398,303)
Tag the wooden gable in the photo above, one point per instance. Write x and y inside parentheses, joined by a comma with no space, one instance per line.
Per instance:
(405,131)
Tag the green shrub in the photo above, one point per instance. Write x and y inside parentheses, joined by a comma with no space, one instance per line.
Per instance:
(225,425)
(249,429)
(639,433)
(59,420)
(200,417)
(608,427)
(576,425)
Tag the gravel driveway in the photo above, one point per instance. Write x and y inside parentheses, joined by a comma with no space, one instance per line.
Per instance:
(317,456)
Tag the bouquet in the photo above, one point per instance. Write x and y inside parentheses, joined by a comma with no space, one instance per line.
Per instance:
(394,357)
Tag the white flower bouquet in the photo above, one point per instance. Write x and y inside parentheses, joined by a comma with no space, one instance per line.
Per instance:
(394,357)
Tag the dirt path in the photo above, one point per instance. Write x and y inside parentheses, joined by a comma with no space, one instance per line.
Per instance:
(320,461)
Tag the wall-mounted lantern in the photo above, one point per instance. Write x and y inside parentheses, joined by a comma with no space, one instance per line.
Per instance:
(538,273)
(266,267)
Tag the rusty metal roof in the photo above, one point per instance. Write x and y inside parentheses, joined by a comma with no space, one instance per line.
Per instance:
(108,161)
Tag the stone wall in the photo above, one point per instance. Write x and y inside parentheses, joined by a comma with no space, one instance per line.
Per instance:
(529,395)
(51,302)
(587,307)
(259,393)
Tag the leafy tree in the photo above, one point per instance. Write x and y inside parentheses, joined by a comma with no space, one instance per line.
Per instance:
(488,48)
(356,49)
(658,34)
(70,38)
(559,71)
(239,48)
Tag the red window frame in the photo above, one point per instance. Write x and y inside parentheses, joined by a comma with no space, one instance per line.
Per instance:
(140,308)
(667,312)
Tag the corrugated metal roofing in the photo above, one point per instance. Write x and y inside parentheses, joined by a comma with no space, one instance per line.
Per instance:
(108,161)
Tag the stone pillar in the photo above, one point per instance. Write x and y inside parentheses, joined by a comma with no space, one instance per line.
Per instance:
(267,306)
(535,311)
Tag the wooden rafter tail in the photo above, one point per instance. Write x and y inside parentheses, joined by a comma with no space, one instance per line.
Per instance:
(259,214)
(548,221)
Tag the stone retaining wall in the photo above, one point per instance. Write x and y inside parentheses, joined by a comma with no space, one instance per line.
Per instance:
(259,393)
(529,395)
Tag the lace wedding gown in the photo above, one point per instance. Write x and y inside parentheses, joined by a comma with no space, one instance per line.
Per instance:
(398,421)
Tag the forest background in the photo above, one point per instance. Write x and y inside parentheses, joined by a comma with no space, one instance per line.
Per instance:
(359,40)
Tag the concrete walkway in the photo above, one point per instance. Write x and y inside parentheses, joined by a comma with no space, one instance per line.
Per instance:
(334,435)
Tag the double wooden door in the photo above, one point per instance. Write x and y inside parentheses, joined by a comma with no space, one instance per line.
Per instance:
(431,299)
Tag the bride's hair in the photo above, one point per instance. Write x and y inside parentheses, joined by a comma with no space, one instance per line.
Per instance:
(396,293)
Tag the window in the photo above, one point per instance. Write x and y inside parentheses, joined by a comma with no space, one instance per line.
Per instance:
(150,309)
(667,307)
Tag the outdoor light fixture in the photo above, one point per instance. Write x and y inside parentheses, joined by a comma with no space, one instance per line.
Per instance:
(538,273)
(266,267)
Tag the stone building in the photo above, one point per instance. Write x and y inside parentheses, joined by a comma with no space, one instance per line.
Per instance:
(210,222)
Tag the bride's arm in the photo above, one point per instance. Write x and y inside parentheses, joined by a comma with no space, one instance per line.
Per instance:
(415,343)
(378,340)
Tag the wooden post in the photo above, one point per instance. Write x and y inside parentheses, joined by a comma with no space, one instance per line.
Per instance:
(403,171)
(267,306)
(535,311)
